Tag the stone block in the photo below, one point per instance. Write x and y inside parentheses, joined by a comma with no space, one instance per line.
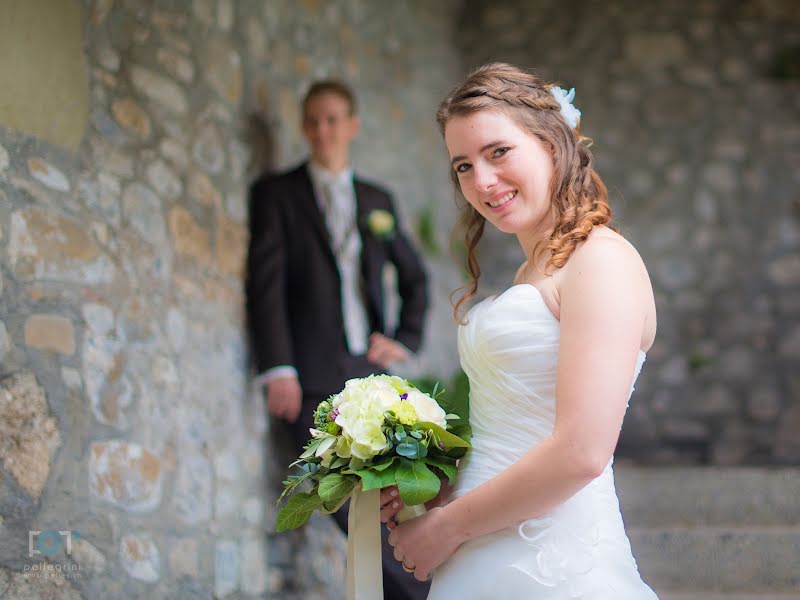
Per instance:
(159,89)
(231,246)
(223,69)
(142,208)
(29,434)
(132,117)
(188,238)
(202,189)
(139,556)
(184,558)
(45,245)
(126,475)
(50,332)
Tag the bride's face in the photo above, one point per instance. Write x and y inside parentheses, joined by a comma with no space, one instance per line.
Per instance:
(504,171)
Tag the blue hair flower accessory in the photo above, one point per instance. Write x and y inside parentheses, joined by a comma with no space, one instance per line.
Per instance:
(564,98)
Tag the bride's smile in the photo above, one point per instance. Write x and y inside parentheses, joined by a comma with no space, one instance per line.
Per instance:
(503,171)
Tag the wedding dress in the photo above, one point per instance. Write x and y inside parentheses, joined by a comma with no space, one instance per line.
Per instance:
(509,350)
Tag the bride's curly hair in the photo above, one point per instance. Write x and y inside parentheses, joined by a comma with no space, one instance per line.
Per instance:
(579,199)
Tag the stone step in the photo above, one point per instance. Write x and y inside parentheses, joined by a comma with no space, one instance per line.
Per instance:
(743,560)
(683,496)
(699,595)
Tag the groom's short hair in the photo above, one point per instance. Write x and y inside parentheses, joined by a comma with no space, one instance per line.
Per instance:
(331,86)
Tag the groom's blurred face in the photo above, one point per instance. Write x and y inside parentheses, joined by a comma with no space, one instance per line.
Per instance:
(503,171)
(329,127)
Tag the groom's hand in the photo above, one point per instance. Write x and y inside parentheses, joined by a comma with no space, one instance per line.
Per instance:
(284,397)
(384,351)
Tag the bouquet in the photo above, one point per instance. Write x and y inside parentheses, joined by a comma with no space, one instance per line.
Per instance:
(378,431)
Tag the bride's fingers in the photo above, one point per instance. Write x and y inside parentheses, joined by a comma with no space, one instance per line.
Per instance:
(420,576)
(389,511)
(388,495)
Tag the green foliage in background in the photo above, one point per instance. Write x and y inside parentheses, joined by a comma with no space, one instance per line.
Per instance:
(426,231)
(452,395)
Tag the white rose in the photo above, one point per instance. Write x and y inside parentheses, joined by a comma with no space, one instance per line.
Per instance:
(427,408)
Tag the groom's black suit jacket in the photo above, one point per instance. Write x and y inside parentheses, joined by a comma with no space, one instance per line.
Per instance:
(293,288)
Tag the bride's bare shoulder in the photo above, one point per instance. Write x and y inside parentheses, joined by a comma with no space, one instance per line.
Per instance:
(604,244)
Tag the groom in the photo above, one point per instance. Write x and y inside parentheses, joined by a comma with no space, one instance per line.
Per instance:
(320,238)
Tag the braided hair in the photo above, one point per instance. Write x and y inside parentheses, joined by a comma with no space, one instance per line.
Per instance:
(579,199)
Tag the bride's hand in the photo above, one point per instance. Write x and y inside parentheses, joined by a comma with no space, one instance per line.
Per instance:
(424,543)
(390,505)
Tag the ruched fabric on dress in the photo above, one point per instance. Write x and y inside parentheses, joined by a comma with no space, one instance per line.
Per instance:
(509,351)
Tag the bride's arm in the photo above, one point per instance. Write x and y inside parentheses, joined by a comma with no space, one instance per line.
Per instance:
(604,299)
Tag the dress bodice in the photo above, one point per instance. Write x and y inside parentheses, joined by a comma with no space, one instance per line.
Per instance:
(509,350)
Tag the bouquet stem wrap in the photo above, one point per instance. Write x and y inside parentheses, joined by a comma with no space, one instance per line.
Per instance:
(364,569)
(409,512)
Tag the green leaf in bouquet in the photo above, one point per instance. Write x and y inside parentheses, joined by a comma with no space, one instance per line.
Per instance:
(372,480)
(332,488)
(338,462)
(297,511)
(356,464)
(463,430)
(324,445)
(311,447)
(416,482)
(417,434)
(384,465)
(449,440)
(446,466)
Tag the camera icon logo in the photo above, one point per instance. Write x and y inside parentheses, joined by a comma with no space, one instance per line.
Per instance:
(50,542)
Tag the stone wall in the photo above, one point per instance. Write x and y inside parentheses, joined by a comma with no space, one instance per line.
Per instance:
(696,124)
(127,419)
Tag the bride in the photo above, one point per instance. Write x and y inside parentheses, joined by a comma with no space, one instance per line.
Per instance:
(551,361)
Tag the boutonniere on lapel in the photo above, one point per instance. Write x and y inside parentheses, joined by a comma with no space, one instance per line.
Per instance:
(380,223)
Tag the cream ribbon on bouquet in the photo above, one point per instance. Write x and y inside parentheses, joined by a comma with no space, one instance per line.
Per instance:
(364,572)
(364,567)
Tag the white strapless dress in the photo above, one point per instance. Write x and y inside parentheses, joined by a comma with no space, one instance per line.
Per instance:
(509,351)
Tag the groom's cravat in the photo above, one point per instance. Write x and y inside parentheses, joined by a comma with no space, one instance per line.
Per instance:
(338,204)
(339,215)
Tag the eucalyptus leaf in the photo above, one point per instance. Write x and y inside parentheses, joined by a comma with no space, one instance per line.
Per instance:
(408,449)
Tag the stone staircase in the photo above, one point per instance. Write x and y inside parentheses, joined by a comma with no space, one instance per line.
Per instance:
(710,533)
